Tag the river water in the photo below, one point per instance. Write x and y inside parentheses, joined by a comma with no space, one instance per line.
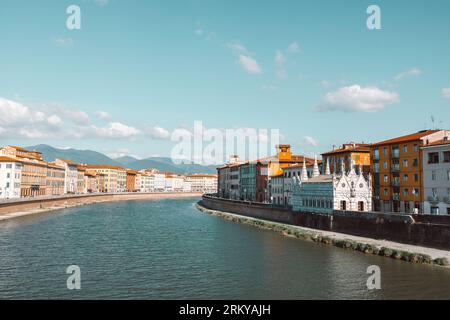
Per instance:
(166,249)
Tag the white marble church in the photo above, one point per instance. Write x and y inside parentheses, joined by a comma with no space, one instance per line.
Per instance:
(349,191)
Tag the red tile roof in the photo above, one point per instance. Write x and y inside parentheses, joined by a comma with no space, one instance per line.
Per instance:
(407,138)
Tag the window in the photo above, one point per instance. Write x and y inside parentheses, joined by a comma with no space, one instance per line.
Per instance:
(448,174)
(415,163)
(416,192)
(405,192)
(446,156)
(416,177)
(405,148)
(416,148)
(7,185)
(405,163)
(448,192)
(343,205)
(386,192)
(385,165)
(8,175)
(407,207)
(448,210)
(360,206)
(386,178)
(433,157)
(385,151)
(8,166)
(434,192)
(433,175)
(376,153)
(405,177)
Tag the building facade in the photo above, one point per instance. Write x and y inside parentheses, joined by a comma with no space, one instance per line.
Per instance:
(71,175)
(397,167)
(346,191)
(10,177)
(55,179)
(356,153)
(436,176)
(202,183)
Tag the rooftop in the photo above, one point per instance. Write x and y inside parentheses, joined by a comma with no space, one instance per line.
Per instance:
(349,147)
(321,179)
(407,138)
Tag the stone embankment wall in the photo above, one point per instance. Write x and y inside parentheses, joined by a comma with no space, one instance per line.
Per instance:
(422,230)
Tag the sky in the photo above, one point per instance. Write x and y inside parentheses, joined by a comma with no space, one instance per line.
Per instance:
(138,70)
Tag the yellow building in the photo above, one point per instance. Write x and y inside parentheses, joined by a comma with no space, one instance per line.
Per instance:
(55,179)
(356,153)
(34,170)
(111,176)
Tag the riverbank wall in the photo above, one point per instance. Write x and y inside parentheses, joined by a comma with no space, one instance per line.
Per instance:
(420,230)
(20,207)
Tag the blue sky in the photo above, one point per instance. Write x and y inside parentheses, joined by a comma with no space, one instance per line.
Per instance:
(137,70)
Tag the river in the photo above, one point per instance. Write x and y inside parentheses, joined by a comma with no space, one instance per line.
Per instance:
(166,249)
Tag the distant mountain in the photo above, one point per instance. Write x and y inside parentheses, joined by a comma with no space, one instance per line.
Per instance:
(125,160)
(166,164)
(79,156)
(92,157)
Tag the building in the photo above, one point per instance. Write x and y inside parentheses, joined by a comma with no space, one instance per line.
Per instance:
(55,179)
(10,177)
(357,153)
(34,170)
(250,180)
(110,176)
(187,186)
(71,175)
(156,180)
(81,179)
(173,182)
(276,190)
(91,181)
(247,181)
(436,176)
(202,183)
(296,171)
(131,181)
(397,167)
(121,179)
(324,193)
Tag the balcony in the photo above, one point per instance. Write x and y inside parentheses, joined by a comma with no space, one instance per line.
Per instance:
(396,196)
(396,182)
(395,154)
(433,198)
(395,167)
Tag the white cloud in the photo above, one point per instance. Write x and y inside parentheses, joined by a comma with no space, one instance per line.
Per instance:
(311,141)
(54,120)
(280,60)
(64,42)
(103,115)
(408,73)
(159,133)
(237,47)
(294,47)
(116,130)
(357,98)
(102,3)
(249,65)
(199,32)
(446,93)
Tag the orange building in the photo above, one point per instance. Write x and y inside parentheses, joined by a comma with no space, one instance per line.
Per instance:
(397,167)
(357,153)
(131,180)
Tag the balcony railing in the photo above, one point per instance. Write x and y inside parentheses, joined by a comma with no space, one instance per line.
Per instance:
(396,182)
(433,198)
(395,168)
(396,196)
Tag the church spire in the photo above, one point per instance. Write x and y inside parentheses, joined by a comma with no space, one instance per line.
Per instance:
(316,172)
(304,172)
(327,167)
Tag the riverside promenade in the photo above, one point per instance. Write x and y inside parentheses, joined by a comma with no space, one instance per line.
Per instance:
(14,208)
